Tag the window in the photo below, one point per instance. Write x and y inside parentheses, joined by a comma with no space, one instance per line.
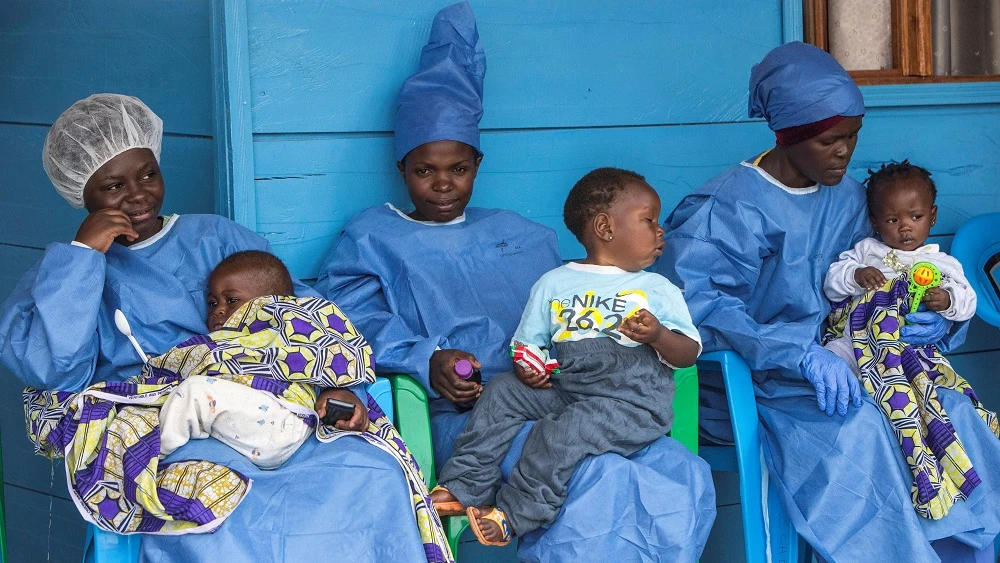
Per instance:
(908,41)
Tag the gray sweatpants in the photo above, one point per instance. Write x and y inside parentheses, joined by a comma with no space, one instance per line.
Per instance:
(608,398)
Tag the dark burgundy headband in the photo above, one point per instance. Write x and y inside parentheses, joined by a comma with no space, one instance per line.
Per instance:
(792,135)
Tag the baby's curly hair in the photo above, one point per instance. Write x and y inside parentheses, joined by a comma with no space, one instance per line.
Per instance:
(889,174)
(270,273)
(593,194)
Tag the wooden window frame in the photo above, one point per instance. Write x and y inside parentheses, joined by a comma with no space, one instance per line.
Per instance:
(912,47)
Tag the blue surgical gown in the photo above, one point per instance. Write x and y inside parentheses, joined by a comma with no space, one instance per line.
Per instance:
(412,287)
(751,255)
(57,331)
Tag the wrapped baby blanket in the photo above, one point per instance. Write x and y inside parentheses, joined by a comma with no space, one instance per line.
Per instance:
(109,432)
(903,380)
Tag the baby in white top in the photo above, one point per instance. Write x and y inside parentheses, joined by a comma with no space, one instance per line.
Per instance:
(902,211)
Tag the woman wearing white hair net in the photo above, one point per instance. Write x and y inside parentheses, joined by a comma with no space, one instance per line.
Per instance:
(57,331)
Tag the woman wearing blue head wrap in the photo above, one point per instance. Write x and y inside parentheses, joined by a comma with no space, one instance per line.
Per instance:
(443,282)
(446,282)
(751,248)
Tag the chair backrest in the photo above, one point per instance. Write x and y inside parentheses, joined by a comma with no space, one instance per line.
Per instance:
(975,243)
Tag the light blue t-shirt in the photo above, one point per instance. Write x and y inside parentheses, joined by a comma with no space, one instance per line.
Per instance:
(580,301)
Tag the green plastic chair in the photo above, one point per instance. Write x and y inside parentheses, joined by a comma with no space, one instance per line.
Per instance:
(414,424)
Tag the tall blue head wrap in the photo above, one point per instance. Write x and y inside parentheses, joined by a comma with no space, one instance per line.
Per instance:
(797,84)
(443,100)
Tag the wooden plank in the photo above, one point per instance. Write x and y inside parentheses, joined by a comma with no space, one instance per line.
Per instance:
(960,154)
(335,176)
(57,52)
(322,66)
(793,14)
(35,215)
(816,24)
(41,528)
(233,140)
(911,26)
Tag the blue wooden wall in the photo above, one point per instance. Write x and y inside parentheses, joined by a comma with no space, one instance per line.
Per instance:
(53,53)
(659,87)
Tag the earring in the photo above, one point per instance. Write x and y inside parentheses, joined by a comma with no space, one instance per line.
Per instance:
(610,237)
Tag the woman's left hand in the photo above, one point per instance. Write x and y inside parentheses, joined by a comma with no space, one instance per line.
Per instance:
(923,328)
(357,423)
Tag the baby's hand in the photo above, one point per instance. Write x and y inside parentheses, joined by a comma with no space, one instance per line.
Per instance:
(531,378)
(869,277)
(937,299)
(641,327)
(357,423)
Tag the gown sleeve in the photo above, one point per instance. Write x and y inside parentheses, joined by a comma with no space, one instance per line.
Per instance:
(963,306)
(840,283)
(48,325)
(719,272)
(963,297)
(349,279)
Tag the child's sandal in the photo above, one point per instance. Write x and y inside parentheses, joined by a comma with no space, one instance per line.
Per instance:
(450,508)
(496,515)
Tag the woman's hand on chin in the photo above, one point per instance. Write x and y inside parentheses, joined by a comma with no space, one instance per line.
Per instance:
(101,228)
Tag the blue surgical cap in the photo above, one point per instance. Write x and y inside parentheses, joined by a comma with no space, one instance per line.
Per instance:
(443,100)
(797,84)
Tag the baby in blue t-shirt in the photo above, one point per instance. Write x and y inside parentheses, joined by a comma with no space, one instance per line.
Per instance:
(618,333)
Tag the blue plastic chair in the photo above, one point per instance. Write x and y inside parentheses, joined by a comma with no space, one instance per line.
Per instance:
(760,520)
(976,241)
(101,546)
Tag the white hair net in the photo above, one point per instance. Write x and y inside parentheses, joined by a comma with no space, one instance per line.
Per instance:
(92,132)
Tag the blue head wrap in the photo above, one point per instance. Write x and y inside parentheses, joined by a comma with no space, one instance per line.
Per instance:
(797,84)
(443,100)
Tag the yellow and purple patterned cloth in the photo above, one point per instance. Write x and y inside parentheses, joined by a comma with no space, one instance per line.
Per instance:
(903,380)
(109,432)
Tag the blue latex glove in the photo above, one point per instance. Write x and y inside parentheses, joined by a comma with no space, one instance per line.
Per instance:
(836,385)
(924,328)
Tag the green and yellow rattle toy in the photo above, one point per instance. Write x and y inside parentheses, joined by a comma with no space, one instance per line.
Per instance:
(923,276)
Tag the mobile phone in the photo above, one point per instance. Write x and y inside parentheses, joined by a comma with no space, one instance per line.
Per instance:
(337,410)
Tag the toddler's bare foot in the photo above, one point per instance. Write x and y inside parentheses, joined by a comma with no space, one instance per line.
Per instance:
(492,532)
(440,495)
(445,503)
